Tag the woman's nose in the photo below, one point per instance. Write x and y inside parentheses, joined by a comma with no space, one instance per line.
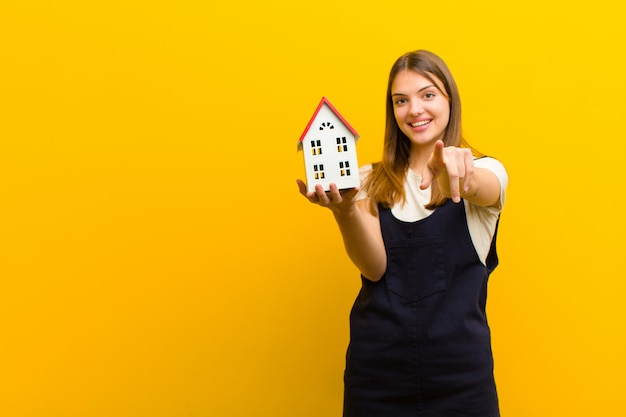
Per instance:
(416,107)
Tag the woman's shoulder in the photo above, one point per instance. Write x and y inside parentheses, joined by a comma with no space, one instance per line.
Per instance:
(365,170)
(364,173)
(492,164)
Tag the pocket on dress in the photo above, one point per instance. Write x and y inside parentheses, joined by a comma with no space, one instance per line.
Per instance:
(415,267)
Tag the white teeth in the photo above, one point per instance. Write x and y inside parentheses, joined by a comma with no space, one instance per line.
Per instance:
(422,123)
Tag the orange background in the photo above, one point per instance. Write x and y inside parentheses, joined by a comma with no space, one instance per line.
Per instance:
(157,260)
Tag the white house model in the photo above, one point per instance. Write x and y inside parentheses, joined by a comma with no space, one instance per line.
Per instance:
(329,147)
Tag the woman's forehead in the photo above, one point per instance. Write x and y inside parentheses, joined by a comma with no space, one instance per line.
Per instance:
(417,79)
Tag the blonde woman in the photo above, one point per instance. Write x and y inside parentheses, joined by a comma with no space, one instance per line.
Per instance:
(422,231)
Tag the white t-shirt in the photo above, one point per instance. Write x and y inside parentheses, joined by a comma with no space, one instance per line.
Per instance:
(481,221)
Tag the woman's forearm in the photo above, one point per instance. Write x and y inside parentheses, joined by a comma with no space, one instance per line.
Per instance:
(363,241)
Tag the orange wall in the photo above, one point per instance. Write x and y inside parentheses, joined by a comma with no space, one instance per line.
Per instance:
(157,260)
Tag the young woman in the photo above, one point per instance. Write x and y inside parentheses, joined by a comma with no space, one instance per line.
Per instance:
(422,232)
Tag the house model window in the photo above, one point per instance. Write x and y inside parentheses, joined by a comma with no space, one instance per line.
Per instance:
(344,167)
(316,147)
(329,147)
(342,144)
(318,171)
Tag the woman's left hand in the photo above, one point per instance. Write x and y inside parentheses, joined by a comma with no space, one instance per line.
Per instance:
(452,167)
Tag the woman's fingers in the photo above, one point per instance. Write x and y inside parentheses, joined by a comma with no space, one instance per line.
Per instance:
(335,199)
(455,174)
(459,164)
(469,170)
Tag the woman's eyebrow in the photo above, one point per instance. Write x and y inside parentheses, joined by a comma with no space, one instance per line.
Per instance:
(428,86)
(421,89)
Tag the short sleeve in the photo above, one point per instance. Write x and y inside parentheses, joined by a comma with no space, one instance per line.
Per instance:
(498,169)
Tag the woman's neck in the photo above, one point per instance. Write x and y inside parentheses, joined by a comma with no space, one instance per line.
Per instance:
(419,158)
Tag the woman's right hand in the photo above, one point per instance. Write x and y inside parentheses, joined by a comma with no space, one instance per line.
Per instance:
(338,201)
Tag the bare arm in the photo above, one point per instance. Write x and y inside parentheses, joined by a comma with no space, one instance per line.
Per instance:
(359,229)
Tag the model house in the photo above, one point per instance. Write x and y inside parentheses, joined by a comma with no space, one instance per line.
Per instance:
(329,147)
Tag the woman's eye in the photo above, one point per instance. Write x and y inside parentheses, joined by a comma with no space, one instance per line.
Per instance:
(400,101)
(429,95)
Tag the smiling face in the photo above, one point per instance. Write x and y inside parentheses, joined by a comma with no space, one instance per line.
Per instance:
(420,107)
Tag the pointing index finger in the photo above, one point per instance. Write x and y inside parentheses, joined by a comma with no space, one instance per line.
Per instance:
(438,152)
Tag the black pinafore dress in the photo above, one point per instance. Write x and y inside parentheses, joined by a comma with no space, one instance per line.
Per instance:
(419,339)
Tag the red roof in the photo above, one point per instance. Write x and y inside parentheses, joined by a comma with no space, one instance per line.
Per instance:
(319,106)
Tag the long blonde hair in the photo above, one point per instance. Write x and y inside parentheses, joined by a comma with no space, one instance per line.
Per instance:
(385,184)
